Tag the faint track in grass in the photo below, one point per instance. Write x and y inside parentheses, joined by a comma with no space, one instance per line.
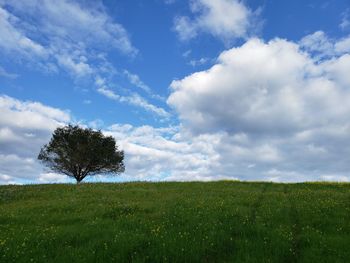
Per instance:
(257,204)
(295,252)
(251,221)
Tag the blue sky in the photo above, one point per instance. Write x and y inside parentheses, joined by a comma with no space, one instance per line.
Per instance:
(191,90)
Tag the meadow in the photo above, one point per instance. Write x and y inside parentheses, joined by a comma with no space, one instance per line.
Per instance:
(175,222)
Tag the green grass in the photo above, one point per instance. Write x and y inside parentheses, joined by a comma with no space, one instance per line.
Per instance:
(175,222)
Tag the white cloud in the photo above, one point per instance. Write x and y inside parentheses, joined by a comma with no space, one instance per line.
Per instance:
(291,107)
(337,70)
(65,36)
(136,80)
(4,73)
(225,19)
(274,111)
(108,93)
(345,23)
(77,68)
(345,20)
(343,45)
(14,41)
(24,128)
(52,178)
(139,101)
(169,2)
(75,35)
(185,28)
(187,53)
(96,124)
(30,115)
(175,153)
(336,178)
(321,46)
(275,175)
(199,62)
(135,100)
(18,167)
(72,37)
(172,154)
(263,88)
(60,35)
(6,179)
(67,21)
(318,42)
(155,154)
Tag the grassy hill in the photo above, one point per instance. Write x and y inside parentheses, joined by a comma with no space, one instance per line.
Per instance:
(175,222)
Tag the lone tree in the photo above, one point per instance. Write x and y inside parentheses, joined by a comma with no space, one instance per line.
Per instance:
(79,152)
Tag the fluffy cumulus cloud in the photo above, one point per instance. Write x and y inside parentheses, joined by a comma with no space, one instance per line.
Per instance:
(225,19)
(168,154)
(24,128)
(284,110)
(320,45)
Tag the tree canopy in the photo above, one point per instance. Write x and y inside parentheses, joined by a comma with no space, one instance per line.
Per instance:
(79,152)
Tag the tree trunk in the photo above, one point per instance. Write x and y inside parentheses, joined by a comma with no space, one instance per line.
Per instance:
(79,178)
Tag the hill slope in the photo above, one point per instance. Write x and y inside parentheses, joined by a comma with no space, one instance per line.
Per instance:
(175,222)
